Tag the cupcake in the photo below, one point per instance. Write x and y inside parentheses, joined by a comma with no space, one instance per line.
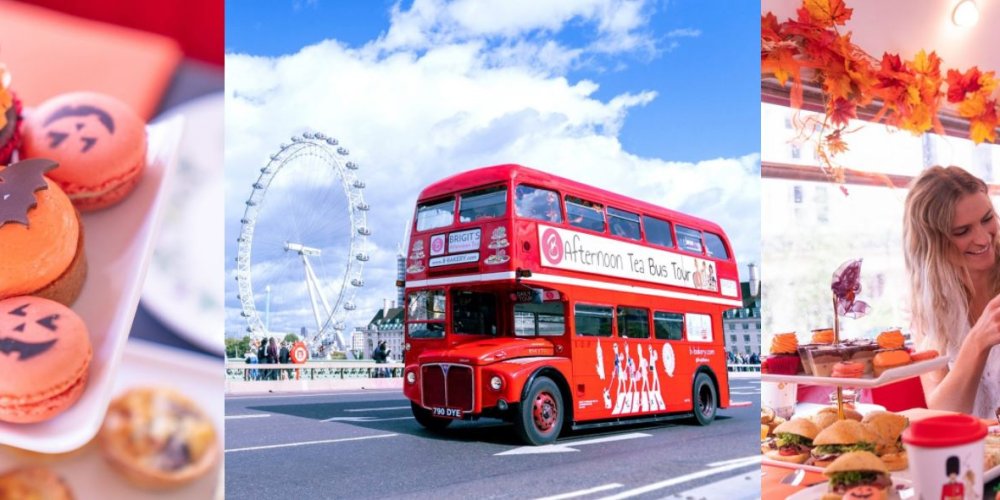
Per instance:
(40,234)
(784,358)
(98,141)
(158,438)
(10,118)
(822,336)
(890,339)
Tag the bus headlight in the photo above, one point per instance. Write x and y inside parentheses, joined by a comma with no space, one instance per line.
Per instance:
(411,378)
(496,383)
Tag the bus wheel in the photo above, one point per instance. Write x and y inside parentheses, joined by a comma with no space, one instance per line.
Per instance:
(425,418)
(705,399)
(540,417)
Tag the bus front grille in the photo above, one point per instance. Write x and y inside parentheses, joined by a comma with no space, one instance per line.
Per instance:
(447,385)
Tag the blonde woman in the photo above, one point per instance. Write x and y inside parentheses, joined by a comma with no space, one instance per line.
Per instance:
(952,248)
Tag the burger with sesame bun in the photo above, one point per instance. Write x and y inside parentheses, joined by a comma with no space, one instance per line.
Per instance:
(858,474)
(792,441)
(841,437)
(887,428)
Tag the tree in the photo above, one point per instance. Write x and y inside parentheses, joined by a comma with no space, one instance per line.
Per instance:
(236,348)
(291,338)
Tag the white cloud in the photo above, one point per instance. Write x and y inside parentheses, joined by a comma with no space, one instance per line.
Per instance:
(433,97)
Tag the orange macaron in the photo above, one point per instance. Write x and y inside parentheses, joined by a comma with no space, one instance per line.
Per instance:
(99,142)
(40,234)
(848,369)
(45,354)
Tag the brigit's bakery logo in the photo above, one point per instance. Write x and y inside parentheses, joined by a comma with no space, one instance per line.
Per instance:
(552,246)
(437,244)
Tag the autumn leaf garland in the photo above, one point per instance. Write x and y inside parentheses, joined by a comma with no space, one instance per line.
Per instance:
(910,91)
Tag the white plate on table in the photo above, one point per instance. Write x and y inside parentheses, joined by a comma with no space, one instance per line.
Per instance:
(119,242)
(887,377)
(198,377)
(185,285)
(816,491)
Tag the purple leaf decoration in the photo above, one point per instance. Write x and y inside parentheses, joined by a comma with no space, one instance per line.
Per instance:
(846,287)
(18,183)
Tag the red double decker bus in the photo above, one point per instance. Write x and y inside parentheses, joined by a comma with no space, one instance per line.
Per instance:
(550,303)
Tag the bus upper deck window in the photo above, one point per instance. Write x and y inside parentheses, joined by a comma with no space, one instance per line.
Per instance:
(689,239)
(585,214)
(483,204)
(536,203)
(657,232)
(715,247)
(435,214)
(624,224)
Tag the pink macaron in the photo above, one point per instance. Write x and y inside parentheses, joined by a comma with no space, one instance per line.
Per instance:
(98,141)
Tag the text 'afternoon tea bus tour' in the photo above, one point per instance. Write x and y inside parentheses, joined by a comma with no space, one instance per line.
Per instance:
(550,303)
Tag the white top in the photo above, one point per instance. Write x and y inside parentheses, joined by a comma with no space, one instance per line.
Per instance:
(988,395)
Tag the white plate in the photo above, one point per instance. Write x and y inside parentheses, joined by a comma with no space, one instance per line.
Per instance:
(119,242)
(185,285)
(143,364)
(887,377)
(817,491)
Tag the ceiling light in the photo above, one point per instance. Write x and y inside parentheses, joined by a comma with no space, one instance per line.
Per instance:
(966,13)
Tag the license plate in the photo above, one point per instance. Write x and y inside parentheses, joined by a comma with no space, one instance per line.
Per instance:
(446,412)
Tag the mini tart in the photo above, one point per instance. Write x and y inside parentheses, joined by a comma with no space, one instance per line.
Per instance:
(45,360)
(158,438)
(885,360)
(822,336)
(784,343)
(33,483)
(44,257)
(890,339)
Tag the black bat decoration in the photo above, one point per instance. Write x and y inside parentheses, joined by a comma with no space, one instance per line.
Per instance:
(18,183)
(25,350)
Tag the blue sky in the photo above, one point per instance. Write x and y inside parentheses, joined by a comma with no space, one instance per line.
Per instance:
(655,100)
(719,65)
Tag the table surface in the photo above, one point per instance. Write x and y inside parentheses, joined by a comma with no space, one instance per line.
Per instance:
(772,489)
(192,79)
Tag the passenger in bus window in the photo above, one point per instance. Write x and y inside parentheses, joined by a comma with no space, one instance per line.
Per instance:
(951,243)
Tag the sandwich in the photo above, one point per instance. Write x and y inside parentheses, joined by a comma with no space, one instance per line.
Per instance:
(887,428)
(858,474)
(841,437)
(828,415)
(792,441)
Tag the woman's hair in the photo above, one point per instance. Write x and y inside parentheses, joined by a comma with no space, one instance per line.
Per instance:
(940,283)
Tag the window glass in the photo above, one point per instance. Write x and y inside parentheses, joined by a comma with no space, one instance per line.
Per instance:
(474,313)
(624,224)
(689,239)
(658,232)
(483,204)
(670,326)
(585,214)
(436,214)
(425,314)
(536,203)
(592,321)
(539,319)
(633,323)
(715,247)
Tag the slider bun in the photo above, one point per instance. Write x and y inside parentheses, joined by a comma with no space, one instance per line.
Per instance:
(799,426)
(848,413)
(844,432)
(856,461)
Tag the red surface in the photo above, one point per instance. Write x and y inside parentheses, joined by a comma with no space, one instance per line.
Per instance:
(948,430)
(899,396)
(198,26)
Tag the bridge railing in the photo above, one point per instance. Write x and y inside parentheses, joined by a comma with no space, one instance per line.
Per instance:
(741,368)
(311,370)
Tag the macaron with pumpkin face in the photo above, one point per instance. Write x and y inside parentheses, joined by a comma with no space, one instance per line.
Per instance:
(99,142)
(45,354)
(40,234)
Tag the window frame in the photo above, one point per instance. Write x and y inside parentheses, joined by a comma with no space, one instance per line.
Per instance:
(611,320)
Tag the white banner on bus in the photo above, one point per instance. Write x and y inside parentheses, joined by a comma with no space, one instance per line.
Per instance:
(447,260)
(576,251)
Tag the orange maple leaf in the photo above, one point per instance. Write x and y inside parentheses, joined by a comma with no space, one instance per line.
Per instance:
(780,62)
(827,13)
(841,111)
(960,84)
(984,127)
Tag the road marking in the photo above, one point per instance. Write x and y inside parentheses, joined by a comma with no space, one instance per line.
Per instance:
(740,404)
(747,460)
(683,479)
(567,447)
(380,409)
(744,393)
(580,493)
(259,415)
(741,487)
(305,443)
(365,419)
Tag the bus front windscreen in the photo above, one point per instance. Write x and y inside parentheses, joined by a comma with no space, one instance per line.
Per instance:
(435,214)
(425,312)
(474,313)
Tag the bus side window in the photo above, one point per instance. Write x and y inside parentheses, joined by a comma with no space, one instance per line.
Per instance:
(716,248)
(657,232)
(592,321)
(668,326)
(538,204)
(539,319)
(689,239)
(585,214)
(633,322)
(624,224)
